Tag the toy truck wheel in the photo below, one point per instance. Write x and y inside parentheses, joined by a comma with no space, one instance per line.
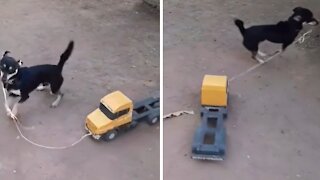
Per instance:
(133,125)
(157,105)
(153,120)
(225,115)
(110,135)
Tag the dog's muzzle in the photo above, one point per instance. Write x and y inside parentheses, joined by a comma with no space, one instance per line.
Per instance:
(313,22)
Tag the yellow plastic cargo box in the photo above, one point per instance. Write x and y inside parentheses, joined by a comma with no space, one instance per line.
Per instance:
(214,91)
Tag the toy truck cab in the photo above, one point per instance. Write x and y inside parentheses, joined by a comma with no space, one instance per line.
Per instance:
(214,93)
(115,110)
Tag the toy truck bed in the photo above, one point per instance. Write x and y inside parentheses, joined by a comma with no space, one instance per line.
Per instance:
(147,110)
(209,138)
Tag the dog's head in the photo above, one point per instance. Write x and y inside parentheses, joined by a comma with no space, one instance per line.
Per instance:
(304,15)
(9,67)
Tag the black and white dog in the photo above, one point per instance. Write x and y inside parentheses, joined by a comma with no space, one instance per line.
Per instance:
(284,32)
(19,81)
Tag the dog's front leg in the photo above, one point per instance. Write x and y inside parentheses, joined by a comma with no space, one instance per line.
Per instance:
(11,114)
(8,104)
(14,112)
(15,105)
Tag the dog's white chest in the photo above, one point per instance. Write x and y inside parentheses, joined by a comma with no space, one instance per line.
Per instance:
(15,91)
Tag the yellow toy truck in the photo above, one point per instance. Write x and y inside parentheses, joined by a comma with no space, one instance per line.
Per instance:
(209,141)
(117,113)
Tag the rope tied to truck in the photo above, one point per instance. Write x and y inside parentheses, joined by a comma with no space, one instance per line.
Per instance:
(49,147)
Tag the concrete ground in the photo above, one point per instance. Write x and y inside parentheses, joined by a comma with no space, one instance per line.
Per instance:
(116,48)
(273,128)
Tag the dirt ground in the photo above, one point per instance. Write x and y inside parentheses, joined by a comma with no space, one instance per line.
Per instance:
(273,127)
(116,48)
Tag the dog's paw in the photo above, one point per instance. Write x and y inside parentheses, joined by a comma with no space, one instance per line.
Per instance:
(260,60)
(262,54)
(57,101)
(14,117)
(54,105)
(11,115)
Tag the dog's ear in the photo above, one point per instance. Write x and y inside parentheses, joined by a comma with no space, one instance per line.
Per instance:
(297,18)
(20,62)
(297,9)
(5,53)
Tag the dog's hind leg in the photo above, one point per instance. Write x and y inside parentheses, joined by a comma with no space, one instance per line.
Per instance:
(253,47)
(58,99)
(55,89)
(254,54)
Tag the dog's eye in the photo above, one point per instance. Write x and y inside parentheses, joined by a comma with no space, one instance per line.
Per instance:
(4,65)
(10,68)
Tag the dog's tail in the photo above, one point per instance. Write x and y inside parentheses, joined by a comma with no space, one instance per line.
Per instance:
(65,55)
(240,25)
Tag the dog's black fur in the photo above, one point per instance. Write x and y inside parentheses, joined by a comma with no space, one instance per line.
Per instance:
(283,32)
(26,79)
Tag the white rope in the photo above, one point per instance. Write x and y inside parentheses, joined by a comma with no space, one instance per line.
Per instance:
(4,95)
(301,39)
(16,122)
(49,147)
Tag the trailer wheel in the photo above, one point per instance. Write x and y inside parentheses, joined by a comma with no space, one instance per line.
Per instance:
(110,135)
(154,120)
